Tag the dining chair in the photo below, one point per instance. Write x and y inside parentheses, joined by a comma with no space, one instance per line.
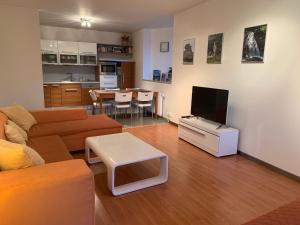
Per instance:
(123,101)
(144,100)
(106,105)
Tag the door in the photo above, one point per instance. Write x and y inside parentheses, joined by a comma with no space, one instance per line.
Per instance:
(128,75)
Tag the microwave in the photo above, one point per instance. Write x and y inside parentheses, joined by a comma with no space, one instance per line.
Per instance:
(108,68)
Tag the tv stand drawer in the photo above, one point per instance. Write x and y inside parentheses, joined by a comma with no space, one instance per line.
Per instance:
(200,138)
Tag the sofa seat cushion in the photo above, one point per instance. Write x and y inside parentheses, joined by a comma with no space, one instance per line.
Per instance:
(73,127)
(51,148)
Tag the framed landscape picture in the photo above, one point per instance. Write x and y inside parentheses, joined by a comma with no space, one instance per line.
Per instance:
(188,51)
(254,44)
(214,49)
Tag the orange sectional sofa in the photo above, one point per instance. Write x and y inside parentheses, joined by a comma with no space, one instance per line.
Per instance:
(62,190)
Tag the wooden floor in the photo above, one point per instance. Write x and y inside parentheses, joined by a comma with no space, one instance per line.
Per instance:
(201,190)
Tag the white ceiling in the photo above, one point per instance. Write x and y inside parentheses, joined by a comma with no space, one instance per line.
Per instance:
(109,15)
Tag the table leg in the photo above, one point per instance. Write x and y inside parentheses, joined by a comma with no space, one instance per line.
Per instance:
(88,157)
(100,104)
(156,104)
(137,185)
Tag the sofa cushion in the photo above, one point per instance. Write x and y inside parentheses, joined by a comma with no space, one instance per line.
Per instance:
(13,156)
(3,120)
(76,142)
(51,148)
(72,127)
(20,116)
(14,133)
(34,156)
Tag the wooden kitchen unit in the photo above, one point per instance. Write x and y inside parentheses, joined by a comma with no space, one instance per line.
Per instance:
(53,95)
(71,94)
(128,75)
(57,95)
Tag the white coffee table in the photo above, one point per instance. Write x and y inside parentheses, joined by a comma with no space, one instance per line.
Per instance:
(122,149)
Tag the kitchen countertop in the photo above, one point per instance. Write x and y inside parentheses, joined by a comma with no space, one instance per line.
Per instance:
(72,82)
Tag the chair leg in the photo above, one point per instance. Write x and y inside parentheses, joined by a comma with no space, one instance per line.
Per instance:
(152,111)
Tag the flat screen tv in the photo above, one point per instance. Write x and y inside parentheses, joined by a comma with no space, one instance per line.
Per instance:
(210,104)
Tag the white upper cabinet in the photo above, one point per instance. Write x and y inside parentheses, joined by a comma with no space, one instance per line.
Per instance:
(87,48)
(68,47)
(49,46)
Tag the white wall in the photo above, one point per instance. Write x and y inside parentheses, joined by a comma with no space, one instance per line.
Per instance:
(264,98)
(84,35)
(20,59)
(161,60)
(147,51)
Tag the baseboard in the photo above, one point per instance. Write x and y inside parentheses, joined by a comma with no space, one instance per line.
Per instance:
(274,168)
(172,123)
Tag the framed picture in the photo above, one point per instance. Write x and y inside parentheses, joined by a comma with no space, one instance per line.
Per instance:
(188,51)
(214,49)
(164,46)
(254,44)
(156,75)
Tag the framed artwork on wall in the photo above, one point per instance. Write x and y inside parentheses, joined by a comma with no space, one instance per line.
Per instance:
(254,44)
(188,51)
(214,49)
(156,75)
(164,47)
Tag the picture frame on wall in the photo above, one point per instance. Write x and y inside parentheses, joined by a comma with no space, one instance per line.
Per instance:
(156,75)
(188,51)
(215,48)
(164,46)
(254,44)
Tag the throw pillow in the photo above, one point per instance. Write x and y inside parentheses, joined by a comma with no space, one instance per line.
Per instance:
(14,133)
(35,157)
(20,116)
(13,156)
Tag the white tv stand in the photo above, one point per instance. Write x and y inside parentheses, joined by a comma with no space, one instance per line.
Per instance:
(205,135)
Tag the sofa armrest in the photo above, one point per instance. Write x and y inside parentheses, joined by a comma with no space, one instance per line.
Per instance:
(59,115)
(55,193)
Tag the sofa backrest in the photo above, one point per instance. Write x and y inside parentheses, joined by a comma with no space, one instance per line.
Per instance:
(59,115)
(3,120)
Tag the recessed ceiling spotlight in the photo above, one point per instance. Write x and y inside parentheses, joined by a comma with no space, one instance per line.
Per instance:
(85,22)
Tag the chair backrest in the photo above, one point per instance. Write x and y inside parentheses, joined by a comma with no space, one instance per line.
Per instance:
(123,97)
(145,96)
(93,95)
(112,89)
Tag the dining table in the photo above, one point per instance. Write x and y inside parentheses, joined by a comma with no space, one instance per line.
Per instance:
(103,95)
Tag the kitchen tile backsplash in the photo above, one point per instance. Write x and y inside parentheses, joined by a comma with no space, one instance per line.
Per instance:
(53,73)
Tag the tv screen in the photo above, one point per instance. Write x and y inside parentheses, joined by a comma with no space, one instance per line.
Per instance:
(210,104)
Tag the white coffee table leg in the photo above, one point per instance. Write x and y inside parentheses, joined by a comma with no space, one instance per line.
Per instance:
(89,158)
(134,186)
(111,178)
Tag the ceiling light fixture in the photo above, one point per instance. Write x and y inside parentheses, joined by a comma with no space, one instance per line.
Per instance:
(85,22)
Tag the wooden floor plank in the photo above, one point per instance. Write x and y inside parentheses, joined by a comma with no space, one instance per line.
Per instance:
(201,188)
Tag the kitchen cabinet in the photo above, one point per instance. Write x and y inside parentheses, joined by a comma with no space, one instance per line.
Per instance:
(127,75)
(68,52)
(87,53)
(56,100)
(52,96)
(49,49)
(47,95)
(71,94)
(87,48)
